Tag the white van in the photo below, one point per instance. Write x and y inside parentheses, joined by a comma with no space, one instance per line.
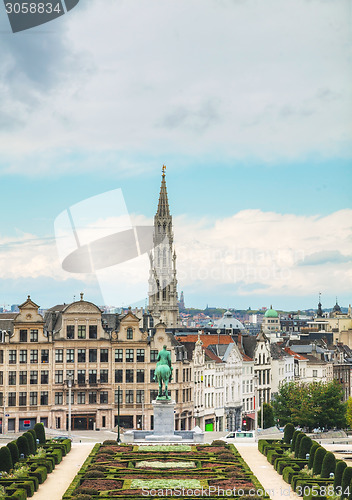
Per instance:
(240,437)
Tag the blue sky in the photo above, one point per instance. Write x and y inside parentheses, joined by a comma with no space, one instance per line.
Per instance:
(251,118)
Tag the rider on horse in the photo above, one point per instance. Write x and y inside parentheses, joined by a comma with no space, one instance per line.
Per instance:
(163,371)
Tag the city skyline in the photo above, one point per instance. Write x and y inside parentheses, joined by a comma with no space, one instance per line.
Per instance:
(251,119)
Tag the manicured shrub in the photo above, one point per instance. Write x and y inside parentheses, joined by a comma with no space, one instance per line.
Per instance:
(85,491)
(340,467)
(32,431)
(305,446)
(261,444)
(31,444)
(40,432)
(293,442)
(313,449)
(97,467)
(23,446)
(15,455)
(346,481)
(318,460)
(329,464)
(288,433)
(218,442)
(106,451)
(227,457)
(297,443)
(5,459)
(94,474)
(67,443)
(110,441)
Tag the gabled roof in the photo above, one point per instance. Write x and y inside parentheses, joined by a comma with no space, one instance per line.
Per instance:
(206,339)
(297,356)
(277,352)
(211,355)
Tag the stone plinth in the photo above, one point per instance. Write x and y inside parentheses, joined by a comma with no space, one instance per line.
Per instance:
(164,422)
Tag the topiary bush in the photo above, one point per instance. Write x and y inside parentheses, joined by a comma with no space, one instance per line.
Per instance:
(110,442)
(40,432)
(288,433)
(346,481)
(227,457)
(32,431)
(318,459)
(218,442)
(106,451)
(329,465)
(298,442)
(101,468)
(23,446)
(293,442)
(31,444)
(15,455)
(340,467)
(94,474)
(305,446)
(5,459)
(85,491)
(312,451)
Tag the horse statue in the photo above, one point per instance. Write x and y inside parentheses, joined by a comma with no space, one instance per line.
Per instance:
(163,372)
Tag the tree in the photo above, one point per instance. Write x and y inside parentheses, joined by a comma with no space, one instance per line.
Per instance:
(5,459)
(15,456)
(349,412)
(268,416)
(318,404)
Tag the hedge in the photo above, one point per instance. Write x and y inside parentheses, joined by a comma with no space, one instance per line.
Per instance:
(288,433)
(293,442)
(340,467)
(312,451)
(346,481)
(5,459)
(15,455)
(40,432)
(23,446)
(329,465)
(299,437)
(318,460)
(32,431)
(31,443)
(304,447)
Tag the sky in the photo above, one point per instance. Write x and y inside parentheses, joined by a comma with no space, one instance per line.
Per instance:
(247,103)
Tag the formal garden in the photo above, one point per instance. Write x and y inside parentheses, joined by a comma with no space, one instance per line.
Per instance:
(311,470)
(26,461)
(115,470)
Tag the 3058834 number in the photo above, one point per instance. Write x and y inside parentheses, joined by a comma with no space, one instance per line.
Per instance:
(33,8)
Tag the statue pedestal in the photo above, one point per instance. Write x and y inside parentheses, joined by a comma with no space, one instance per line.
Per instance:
(164,422)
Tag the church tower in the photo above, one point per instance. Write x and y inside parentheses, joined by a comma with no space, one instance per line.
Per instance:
(163,302)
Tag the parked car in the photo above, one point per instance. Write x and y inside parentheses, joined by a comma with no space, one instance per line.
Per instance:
(240,437)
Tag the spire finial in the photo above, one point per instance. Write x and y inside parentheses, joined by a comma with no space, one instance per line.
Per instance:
(164,168)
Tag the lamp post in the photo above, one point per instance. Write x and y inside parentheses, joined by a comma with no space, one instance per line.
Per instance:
(255,403)
(118,414)
(69,385)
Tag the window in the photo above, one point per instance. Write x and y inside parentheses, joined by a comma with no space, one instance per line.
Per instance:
(12,378)
(118,376)
(22,401)
(153,395)
(104,355)
(44,377)
(82,332)
(129,355)
(81,398)
(315,373)
(12,356)
(104,377)
(129,397)
(23,335)
(12,399)
(129,376)
(176,375)
(33,378)
(23,378)
(44,396)
(118,395)
(59,377)
(23,356)
(118,356)
(45,355)
(139,396)
(70,355)
(93,331)
(59,398)
(33,336)
(33,398)
(129,334)
(1,399)
(81,377)
(103,397)
(176,396)
(59,355)
(152,372)
(33,356)
(1,356)
(153,355)
(70,332)
(81,355)
(92,376)
(92,355)
(140,355)
(92,397)
(1,378)
(140,375)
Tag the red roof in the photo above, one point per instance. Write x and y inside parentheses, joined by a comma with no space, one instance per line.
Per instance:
(211,355)
(206,339)
(295,354)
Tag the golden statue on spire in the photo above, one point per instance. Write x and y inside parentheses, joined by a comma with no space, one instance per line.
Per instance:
(164,168)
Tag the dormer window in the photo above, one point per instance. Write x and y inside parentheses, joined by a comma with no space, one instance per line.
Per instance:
(129,334)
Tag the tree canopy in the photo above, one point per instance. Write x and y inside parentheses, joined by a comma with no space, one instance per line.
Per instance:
(317,404)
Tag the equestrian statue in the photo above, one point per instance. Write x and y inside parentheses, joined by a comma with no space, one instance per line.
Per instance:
(163,373)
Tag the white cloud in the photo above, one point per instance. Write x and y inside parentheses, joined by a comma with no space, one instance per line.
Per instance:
(250,253)
(265,79)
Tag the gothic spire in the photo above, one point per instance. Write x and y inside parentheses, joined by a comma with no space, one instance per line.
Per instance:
(163,206)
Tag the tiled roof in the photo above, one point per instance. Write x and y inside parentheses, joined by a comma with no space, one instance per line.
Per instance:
(295,354)
(206,339)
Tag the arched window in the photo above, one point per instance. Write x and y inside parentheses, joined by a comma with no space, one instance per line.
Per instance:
(164,290)
(158,289)
(159,228)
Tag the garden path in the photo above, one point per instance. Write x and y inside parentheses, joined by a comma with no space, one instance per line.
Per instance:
(59,480)
(270,480)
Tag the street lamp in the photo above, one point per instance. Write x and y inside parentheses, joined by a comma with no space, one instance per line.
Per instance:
(255,403)
(118,414)
(69,381)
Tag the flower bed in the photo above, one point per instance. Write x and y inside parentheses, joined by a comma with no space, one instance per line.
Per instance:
(165,471)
